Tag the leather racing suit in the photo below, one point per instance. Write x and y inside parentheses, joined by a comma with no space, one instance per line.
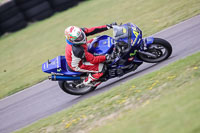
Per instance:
(80,60)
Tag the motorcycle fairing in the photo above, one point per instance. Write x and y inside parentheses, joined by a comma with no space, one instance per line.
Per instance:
(136,34)
(58,66)
(101,45)
(148,40)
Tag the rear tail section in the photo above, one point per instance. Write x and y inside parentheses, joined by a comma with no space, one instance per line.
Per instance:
(52,66)
(58,66)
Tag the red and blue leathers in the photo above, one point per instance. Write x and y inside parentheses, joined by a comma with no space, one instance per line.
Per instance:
(79,59)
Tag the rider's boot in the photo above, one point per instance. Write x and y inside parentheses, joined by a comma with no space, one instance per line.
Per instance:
(97,83)
(92,80)
(88,81)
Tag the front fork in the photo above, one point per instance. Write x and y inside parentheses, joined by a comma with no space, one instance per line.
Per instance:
(146,42)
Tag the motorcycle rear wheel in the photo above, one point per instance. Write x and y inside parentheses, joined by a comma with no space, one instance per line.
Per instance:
(70,87)
(160,47)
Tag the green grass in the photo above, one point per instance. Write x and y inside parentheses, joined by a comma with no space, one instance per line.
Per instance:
(165,101)
(176,112)
(22,53)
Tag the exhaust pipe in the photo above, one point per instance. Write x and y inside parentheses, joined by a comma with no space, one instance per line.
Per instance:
(62,77)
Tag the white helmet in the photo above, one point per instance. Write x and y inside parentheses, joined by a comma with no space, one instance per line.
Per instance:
(75,35)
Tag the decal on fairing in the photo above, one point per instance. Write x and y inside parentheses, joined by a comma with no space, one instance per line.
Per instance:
(136,35)
(130,59)
(59,70)
(124,30)
(57,62)
(105,42)
(53,62)
(134,53)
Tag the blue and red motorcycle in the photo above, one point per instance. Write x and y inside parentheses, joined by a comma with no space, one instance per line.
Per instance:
(128,51)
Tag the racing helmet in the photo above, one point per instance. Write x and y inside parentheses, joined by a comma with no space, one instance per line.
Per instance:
(75,35)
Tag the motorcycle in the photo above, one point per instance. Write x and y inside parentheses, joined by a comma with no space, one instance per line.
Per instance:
(128,51)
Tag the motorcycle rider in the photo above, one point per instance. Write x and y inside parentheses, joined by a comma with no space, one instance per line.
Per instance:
(77,56)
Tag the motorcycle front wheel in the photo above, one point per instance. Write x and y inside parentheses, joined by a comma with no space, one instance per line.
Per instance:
(161,48)
(70,87)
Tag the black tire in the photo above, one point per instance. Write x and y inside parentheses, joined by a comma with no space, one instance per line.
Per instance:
(17,26)
(58,2)
(25,5)
(37,10)
(8,10)
(43,15)
(8,14)
(65,86)
(21,1)
(60,5)
(5,26)
(1,33)
(163,55)
(6,6)
(61,8)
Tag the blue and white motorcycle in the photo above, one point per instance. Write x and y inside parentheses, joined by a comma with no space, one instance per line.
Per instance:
(128,51)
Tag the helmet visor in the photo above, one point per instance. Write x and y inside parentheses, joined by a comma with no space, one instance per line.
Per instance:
(80,38)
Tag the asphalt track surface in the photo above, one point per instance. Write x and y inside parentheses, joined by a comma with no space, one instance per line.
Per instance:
(46,98)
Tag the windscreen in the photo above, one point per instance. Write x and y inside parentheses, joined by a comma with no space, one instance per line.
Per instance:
(120,32)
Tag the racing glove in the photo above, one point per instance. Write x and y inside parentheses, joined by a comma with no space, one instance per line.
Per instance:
(108,58)
(109,26)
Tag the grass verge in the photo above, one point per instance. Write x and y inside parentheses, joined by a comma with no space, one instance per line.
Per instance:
(23,52)
(163,101)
